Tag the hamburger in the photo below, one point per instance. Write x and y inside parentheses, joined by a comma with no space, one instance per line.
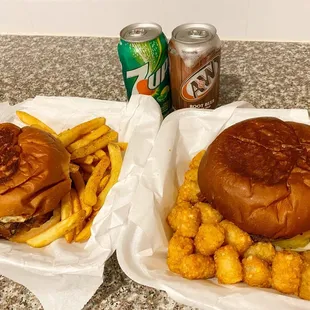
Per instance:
(256,173)
(34,176)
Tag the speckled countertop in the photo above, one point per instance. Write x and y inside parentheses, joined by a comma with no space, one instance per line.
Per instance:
(268,75)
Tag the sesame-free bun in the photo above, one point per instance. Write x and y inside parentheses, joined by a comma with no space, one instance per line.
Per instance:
(34,173)
(256,173)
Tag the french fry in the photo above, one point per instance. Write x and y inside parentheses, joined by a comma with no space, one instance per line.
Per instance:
(67,137)
(95,145)
(57,231)
(22,237)
(76,208)
(85,234)
(103,183)
(33,121)
(80,187)
(90,197)
(73,167)
(123,145)
(87,168)
(88,160)
(86,176)
(97,133)
(116,165)
(67,211)
(100,154)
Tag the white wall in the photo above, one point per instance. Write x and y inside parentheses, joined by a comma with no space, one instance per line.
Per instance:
(275,20)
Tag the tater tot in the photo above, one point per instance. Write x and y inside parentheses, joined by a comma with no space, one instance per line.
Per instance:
(185,220)
(197,266)
(189,191)
(172,217)
(262,250)
(209,238)
(227,264)
(286,272)
(178,248)
(256,272)
(304,289)
(191,175)
(236,237)
(208,214)
(197,159)
(306,256)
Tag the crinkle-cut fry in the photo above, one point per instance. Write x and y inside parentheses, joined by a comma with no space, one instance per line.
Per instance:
(88,160)
(76,208)
(73,167)
(22,237)
(66,211)
(57,231)
(33,121)
(100,154)
(85,140)
(85,234)
(90,193)
(80,187)
(68,136)
(96,145)
(88,168)
(116,159)
(103,183)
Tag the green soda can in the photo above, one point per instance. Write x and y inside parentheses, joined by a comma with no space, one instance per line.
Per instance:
(143,52)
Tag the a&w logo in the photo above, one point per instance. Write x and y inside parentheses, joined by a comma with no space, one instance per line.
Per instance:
(200,82)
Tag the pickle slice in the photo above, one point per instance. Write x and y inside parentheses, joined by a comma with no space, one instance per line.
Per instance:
(298,241)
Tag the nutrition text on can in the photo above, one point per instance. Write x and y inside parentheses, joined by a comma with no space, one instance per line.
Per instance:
(194,55)
(143,52)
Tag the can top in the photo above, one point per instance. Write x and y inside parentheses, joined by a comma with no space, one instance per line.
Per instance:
(194,33)
(140,32)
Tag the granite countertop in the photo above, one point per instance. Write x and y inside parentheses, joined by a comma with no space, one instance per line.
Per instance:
(266,74)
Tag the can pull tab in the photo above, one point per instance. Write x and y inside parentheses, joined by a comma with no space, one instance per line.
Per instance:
(196,33)
(138,32)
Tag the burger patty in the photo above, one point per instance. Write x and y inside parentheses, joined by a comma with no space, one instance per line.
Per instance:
(7,230)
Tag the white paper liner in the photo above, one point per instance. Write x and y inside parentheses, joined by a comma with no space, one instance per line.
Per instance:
(142,247)
(65,276)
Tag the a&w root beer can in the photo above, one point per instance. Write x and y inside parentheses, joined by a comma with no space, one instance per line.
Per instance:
(194,55)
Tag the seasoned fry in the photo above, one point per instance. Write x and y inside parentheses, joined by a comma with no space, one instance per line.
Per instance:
(73,167)
(100,154)
(67,137)
(228,266)
(116,165)
(90,197)
(236,237)
(85,234)
(286,272)
(57,231)
(33,121)
(22,237)
(88,160)
(256,272)
(80,187)
(76,208)
(66,211)
(95,145)
(197,266)
(103,183)
(97,133)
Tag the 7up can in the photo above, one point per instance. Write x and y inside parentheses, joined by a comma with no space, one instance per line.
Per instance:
(143,52)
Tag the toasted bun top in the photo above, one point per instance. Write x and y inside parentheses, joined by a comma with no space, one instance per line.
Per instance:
(34,172)
(257,174)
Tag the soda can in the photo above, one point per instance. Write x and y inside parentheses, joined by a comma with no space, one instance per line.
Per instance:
(194,55)
(143,52)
